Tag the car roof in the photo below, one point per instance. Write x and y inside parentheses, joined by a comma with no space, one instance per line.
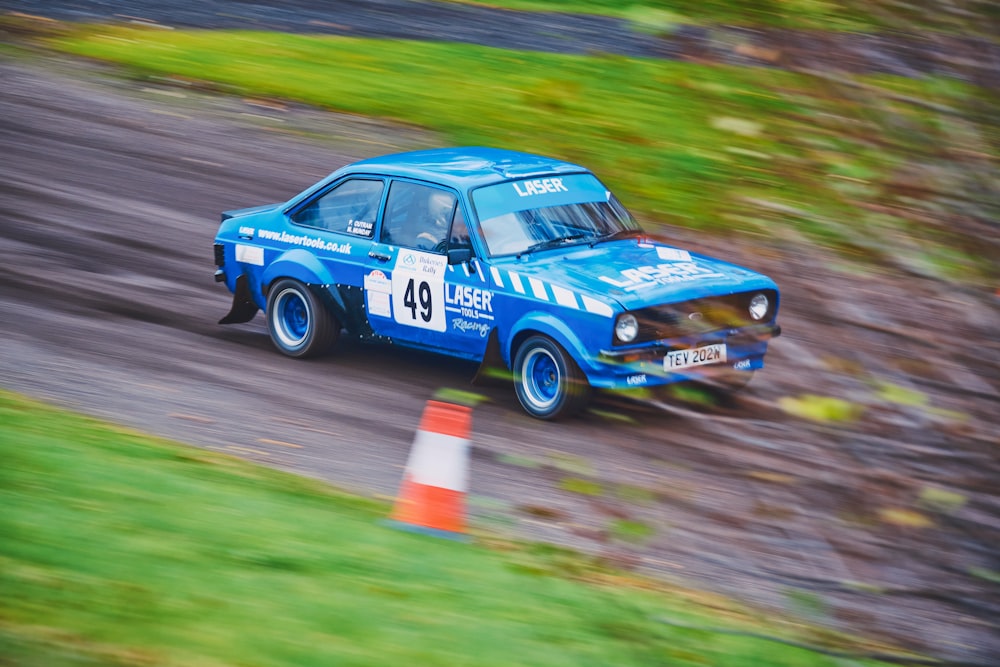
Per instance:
(464,167)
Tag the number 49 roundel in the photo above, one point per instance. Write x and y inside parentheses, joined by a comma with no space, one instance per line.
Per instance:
(418,290)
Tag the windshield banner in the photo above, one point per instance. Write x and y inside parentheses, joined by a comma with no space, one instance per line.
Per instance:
(529,193)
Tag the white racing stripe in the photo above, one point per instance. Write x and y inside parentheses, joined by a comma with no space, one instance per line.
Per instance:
(515,281)
(596,307)
(538,289)
(564,297)
(561,295)
(495,272)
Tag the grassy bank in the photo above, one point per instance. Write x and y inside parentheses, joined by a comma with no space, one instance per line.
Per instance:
(120,549)
(872,166)
(660,15)
(666,16)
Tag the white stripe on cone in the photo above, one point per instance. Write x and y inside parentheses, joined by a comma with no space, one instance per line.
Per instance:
(439,460)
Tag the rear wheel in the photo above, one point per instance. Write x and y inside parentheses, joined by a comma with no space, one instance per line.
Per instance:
(548,382)
(299,324)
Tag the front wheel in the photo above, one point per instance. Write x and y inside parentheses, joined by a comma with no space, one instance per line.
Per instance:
(299,324)
(548,382)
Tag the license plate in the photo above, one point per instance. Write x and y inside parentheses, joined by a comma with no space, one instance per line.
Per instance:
(696,356)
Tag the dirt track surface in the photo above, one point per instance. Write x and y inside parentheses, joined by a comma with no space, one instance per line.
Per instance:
(111,190)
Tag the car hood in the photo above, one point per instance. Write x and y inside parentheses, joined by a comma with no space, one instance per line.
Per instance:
(638,272)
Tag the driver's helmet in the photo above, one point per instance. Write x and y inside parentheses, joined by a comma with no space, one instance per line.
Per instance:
(440,205)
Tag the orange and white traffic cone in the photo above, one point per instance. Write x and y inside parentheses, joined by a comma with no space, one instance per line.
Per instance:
(432,496)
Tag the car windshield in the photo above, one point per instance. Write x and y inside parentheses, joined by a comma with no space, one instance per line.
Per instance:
(510,225)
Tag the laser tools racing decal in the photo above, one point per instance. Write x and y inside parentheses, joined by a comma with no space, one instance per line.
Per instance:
(472,307)
(418,290)
(643,277)
(304,240)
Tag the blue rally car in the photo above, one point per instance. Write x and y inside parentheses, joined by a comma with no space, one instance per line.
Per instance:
(517,261)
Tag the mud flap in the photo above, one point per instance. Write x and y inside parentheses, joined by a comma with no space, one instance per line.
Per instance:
(492,370)
(244,308)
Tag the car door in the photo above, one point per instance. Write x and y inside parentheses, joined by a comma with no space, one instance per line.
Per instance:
(413,295)
(337,226)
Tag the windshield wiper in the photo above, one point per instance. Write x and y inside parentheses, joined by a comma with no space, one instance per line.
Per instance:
(620,234)
(551,243)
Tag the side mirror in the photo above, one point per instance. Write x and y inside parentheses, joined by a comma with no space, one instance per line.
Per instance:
(459,255)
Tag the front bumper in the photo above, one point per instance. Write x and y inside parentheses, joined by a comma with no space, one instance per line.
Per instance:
(643,365)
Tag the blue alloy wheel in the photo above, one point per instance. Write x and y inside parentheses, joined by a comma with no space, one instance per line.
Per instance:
(548,383)
(299,324)
(293,318)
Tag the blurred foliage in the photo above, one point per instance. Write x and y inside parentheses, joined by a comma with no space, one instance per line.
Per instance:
(885,169)
(519,461)
(585,487)
(459,397)
(864,587)
(628,530)
(660,14)
(904,518)
(941,500)
(633,494)
(692,393)
(987,575)
(893,393)
(792,14)
(570,463)
(806,603)
(826,409)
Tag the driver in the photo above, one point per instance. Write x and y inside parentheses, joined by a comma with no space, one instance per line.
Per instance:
(440,206)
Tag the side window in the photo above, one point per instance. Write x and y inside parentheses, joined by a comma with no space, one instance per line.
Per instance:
(459,232)
(418,216)
(350,207)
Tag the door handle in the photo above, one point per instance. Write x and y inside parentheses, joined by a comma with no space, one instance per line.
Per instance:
(380,256)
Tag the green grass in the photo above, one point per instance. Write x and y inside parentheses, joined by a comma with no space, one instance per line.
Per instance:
(120,549)
(644,125)
(761,152)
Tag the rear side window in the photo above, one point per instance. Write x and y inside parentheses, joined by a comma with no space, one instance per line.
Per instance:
(350,207)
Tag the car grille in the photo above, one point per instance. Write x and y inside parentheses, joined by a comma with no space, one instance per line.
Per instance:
(699,316)
(220,254)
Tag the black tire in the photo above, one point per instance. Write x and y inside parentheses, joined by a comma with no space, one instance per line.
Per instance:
(548,383)
(298,322)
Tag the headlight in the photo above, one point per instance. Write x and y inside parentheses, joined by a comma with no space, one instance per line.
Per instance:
(758,307)
(626,328)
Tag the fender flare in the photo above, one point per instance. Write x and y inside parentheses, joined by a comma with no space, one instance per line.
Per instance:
(298,264)
(551,326)
(303,266)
